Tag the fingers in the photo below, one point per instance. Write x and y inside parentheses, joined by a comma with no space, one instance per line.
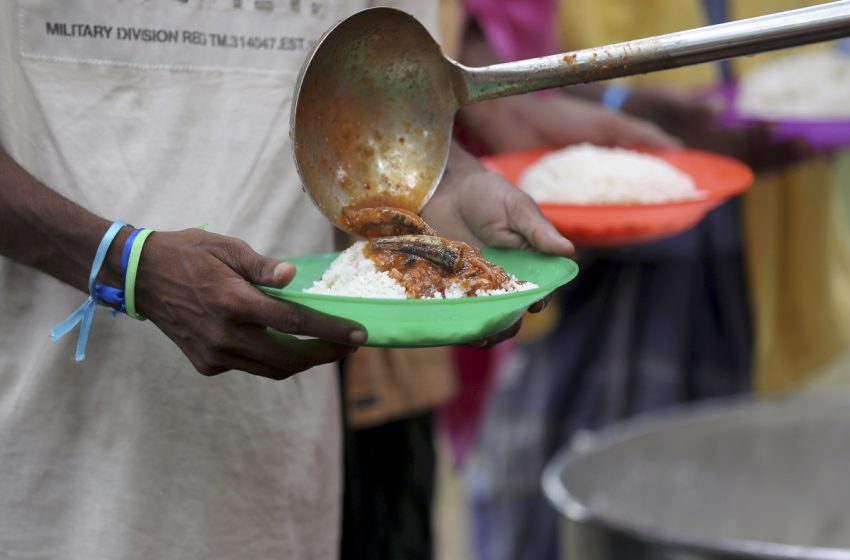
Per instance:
(249,305)
(520,136)
(755,145)
(676,111)
(570,120)
(651,136)
(527,220)
(765,152)
(209,308)
(246,304)
(505,124)
(254,267)
(705,111)
(266,353)
(279,356)
(539,306)
(628,131)
(491,341)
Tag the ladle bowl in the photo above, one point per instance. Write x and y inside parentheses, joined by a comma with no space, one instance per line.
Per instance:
(372,114)
(372,119)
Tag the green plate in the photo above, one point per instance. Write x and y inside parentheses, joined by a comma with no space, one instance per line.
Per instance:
(433,322)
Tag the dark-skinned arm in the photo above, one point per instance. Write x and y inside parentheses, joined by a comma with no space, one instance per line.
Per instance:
(532,121)
(194,285)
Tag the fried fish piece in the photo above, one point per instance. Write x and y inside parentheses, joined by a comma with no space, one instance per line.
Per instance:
(384,221)
(445,253)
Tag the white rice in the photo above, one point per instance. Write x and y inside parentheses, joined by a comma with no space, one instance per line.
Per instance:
(352,273)
(809,85)
(588,174)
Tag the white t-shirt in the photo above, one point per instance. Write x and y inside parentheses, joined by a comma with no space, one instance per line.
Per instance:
(165,114)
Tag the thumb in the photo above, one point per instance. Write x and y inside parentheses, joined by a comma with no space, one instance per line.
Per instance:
(527,220)
(628,131)
(259,269)
(280,275)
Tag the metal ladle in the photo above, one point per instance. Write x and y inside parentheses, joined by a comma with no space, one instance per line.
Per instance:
(372,115)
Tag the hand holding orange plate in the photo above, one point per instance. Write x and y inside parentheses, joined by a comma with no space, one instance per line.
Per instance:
(718,176)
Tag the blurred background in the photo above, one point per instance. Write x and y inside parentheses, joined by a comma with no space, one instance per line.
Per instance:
(751,305)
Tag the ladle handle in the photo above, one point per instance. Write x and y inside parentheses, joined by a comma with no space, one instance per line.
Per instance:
(706,44)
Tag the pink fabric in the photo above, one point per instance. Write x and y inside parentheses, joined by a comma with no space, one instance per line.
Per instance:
(517,29)
(461,416)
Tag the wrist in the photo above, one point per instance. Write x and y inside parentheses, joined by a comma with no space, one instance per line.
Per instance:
(67,253)
(147,274)
(483,118)
(98,294)
(461,160)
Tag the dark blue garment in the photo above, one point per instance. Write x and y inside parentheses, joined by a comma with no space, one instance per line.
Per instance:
(642,328)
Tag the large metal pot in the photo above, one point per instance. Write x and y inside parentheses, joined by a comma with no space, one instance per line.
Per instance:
(733,480)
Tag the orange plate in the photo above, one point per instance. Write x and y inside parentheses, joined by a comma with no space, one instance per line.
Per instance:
(719,176)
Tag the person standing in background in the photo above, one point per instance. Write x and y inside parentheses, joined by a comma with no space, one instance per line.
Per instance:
(643,327)
(795,217)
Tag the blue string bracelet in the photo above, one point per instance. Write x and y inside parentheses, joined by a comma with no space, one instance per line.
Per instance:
(125,259)
(84,315)
(116,297)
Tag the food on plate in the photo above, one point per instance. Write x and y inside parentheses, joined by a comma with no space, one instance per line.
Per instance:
(809,85)
(400,275)
(403,258)
(384,221)
(588,174)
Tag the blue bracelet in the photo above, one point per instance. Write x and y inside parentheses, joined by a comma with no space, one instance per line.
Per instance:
(125,259)
(114,297)
(85,313)
(125,253)
(614,97)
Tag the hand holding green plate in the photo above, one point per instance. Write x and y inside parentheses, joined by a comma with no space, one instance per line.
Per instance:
(433,322)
